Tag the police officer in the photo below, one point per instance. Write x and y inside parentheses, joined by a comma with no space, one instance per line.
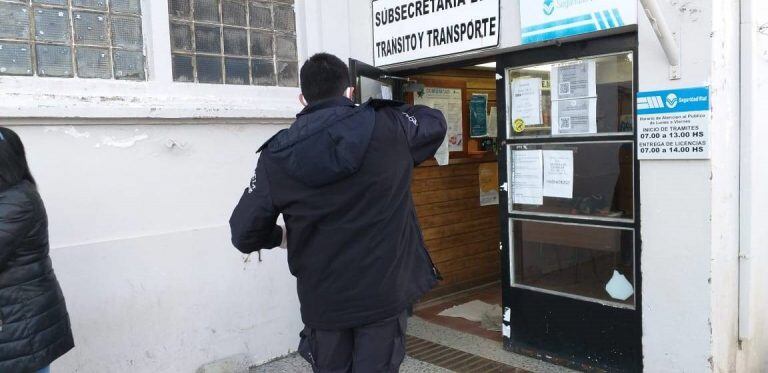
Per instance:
(341,177)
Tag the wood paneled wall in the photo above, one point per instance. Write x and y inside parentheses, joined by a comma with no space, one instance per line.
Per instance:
(461,236)
(470,82)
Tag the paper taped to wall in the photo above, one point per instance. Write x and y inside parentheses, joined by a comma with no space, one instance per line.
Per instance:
(527,178)
(574,117)
(558,173)
(574,80)
(526,101)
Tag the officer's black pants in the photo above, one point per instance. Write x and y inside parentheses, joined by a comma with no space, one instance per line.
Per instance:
(373,348)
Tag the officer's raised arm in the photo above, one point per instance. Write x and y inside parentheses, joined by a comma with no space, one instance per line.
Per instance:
(425,129)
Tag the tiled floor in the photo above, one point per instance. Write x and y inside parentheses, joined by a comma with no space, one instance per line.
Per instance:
(489,294)
(477,345)
(427,331)
(295,364)
(460,335)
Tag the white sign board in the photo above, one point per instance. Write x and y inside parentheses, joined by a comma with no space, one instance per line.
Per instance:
(543,20)
(407,30)
(673,124)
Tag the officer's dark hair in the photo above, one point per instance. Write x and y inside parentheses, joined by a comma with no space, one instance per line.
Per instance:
(13,160)
(323,76)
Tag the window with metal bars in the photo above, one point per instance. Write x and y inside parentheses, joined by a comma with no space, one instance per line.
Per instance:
(244,42)
(68,38)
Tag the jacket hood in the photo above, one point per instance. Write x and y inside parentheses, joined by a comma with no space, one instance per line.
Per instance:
(326,144)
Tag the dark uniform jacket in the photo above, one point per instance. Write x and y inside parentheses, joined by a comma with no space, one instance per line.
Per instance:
(34,324)
(341,177)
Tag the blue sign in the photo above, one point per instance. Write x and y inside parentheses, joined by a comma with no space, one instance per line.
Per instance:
(543,20)
(673,101)
(673,124)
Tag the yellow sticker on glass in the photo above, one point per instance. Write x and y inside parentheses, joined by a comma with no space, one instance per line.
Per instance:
(519,125)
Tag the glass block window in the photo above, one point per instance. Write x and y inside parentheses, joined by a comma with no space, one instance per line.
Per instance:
(72,38)
(245,42)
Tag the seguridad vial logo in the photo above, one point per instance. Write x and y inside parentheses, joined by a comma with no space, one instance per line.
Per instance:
(549,7)
(672,101)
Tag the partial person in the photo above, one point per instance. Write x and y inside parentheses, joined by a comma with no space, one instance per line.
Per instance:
(341,177)
(34,323)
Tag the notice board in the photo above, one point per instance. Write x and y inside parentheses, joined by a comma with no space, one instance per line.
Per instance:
(674,124)
(408,30)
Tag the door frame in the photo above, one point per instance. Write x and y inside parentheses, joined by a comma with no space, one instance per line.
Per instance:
(612,41)
(561,353)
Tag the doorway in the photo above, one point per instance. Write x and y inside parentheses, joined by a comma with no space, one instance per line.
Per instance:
(549,268)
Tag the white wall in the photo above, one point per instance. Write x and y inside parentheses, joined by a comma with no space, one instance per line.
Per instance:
(690,208)
(753,355)
(139,179)
(140,243)
(725,89)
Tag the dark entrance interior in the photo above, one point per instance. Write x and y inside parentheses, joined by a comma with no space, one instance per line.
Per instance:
(460,225)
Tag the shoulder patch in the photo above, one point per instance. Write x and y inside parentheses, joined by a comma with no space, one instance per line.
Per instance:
(252,185)
(411,119)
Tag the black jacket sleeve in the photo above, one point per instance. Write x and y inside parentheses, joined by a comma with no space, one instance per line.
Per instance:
(253,222)
(425,129)
(16,218)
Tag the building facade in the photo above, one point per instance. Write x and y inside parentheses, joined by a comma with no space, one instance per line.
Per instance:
(142,119)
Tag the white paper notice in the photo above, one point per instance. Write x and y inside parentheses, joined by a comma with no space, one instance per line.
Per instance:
(526,101)
(449,102)
(574,117)
(527,178)
(574,80)
(386,92)
(493,125)
(558,173)
(443,156)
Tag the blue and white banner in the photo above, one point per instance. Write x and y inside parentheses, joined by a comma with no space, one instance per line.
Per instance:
(543,20)
(673,124)
(673,101)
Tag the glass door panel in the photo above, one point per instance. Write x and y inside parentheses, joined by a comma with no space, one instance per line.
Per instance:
(589,179)
(582,97)
(374,83)
(586,262)
(371,88)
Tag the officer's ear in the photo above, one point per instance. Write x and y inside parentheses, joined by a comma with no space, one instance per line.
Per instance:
(350,93)
(302,99)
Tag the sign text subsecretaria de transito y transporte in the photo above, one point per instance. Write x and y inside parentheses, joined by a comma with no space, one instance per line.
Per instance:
(478,28)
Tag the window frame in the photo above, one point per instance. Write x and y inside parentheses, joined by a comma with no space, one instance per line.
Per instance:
(158,96)
(223,55)
(616,137)
(108,43)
